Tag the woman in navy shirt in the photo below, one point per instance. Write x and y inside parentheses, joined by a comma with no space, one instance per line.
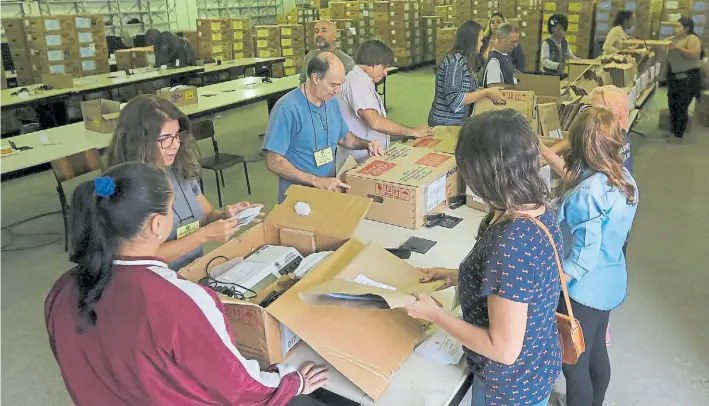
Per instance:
(509,284)
(456,87)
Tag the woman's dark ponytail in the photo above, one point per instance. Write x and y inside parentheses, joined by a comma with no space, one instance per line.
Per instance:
(106,212)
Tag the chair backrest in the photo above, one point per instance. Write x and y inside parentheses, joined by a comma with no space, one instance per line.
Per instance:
(76,165)
(204,129)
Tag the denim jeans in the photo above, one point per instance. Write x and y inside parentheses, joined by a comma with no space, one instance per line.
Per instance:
(479,394)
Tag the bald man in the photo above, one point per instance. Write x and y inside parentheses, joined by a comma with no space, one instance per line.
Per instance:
(325,38)
(306,126)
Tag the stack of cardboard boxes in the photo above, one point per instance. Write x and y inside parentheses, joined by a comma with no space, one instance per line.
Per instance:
(301,16)
(348,41)
(700,15)
(580,31)
(214,39)
(427,7)
(481,11)
(445,38)
(193,38)
(530,35)
(447,14)
(429,30)
(464,10)
(508,7)
(310,36)
(673,10)
(16,40)
(293,48)
(404,32)
(338,10)
(366,22)
(646,12)
(242,41)
(69,44)
(268,41)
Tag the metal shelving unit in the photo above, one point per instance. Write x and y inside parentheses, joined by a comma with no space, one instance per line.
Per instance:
(158,14)
(260,11)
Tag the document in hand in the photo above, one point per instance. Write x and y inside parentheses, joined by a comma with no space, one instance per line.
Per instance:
(374,279)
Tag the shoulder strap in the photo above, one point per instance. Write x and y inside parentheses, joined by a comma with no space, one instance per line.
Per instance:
(558,263)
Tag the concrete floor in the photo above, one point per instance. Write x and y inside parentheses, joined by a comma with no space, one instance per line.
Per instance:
(660,351)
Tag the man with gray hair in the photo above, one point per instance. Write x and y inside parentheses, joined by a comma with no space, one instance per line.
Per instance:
(325,38)
(306,127)
(499,69)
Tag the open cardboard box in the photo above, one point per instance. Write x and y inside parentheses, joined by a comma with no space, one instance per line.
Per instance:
(101,115)
(181,96)
(520,100)
(445,140)
(547,88)
(333,219)
(405,183)
(367,345)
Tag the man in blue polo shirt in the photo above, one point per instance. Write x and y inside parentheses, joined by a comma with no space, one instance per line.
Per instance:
(305,128)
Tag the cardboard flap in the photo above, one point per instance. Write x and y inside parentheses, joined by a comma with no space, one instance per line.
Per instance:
(367,346)
(445,139)
(405,165)
(549,123)
(353,294)
(542,85)
(110,116)
(350,163)
(303,241)
(522,101)
(332,214)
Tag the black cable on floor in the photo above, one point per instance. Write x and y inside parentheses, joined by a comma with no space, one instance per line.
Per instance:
(14,235)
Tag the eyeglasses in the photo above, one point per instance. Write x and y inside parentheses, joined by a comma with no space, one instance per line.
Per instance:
(166,140)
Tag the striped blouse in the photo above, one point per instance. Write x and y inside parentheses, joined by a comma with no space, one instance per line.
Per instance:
(453,81)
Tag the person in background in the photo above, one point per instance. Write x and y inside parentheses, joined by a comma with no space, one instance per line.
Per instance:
(499,69)
(555,49)
(508,331)
(125,329)
(305,128)
(153,130)
(362,107)
(325,39)
(683,77)
(595,217)
(456,88)
(624,21)
(517,56)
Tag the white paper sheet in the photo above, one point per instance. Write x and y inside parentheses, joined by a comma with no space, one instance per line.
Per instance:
(441,348)
(435,193)
(363,280)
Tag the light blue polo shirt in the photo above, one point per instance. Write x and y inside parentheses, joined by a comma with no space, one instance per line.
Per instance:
(293,132)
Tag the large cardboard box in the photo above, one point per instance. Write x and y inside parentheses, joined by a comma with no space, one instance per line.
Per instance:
(134,58)
(547,88)
(406,184)
(58,80)
(522,101)
(179,95)
(43,40)
(90,22)
(101,115)
(332,221)
(61,23)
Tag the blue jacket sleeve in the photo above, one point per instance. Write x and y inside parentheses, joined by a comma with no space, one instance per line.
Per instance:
(584,213)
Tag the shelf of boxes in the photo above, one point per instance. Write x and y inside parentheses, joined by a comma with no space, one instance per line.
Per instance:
(380,14)
(463,10)
(292,48)
(348,41)
(445,38)
(241,38)
(214,39)
(447,14)
(404,33)
(508,8)
(530,35)
(700,15)
(580,31)
(16,40)
(268,41)
(429,30)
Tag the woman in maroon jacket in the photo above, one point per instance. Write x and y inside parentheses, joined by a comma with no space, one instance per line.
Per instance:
(127,330)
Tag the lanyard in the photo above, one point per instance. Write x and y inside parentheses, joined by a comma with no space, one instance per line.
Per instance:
(186,201)
(312,121)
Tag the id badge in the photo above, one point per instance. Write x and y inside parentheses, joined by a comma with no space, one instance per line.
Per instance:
(187,229)
(323,157)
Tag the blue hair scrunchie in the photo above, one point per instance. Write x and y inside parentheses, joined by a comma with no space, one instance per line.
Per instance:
(104,186)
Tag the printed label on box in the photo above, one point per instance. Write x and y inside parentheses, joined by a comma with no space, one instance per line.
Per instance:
(288,339)
(189,94)
(53,40)
(287,51)
(96,121)
(238,35)
(571,39)
(377,168)
(82,22)
(238,46)
(427,143)
(262,33)
(435,193)
(550,6)
(217,49)
(573,28)
(262,43)
(286,42)
(699,19)
(574,18)
(286,32)
(216,26)
(217,37)
(395,192)
(57,55)
(85,37)
(576,7)
(88,66)
(87,52)
(671,5)
(57,69)
(433,159)
(264,54)
(700,6)
(52,25)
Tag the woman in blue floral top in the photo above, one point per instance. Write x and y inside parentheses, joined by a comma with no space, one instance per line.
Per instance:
(509,283)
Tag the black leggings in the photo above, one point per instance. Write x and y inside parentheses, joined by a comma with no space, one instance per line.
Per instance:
(588,379)
(682,88)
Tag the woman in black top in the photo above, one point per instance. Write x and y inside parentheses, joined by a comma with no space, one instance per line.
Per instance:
(517,55)
(555,49)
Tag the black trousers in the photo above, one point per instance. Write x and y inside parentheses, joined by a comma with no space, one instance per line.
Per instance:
(682,88)
(588,379)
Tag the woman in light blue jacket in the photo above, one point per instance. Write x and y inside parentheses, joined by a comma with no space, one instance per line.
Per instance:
(595,217)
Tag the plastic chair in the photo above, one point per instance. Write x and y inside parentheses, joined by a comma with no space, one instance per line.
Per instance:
(69,168)
(204,129)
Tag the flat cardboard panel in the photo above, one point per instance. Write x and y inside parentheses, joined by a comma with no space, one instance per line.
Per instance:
(58,81)
(522,101)
(366,346)
(542,85)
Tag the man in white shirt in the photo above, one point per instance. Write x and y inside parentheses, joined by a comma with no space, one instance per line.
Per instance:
(362,107)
